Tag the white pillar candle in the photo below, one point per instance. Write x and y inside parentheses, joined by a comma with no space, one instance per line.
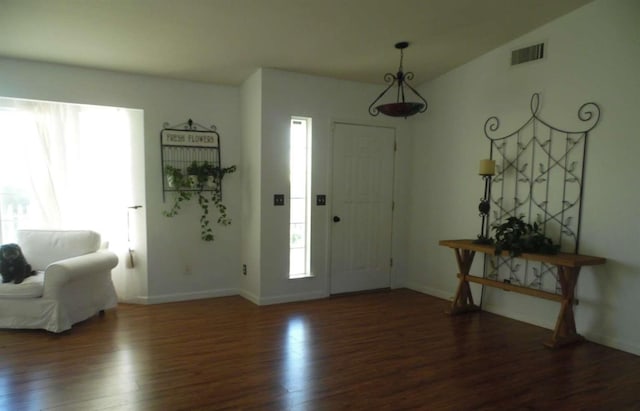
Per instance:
(487,167)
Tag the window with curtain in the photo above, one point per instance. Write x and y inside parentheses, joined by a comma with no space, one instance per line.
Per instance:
(66,166)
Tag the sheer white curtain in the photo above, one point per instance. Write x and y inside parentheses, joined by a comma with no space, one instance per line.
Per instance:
(66,166)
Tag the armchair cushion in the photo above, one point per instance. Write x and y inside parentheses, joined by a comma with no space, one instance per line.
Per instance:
(31,287)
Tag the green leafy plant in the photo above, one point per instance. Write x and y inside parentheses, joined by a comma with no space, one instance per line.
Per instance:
(176,179)
(203,178)
(200,171)
(519,237)
(216,195)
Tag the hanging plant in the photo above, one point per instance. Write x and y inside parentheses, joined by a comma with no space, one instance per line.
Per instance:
(519,237)
(203,178)
(177,180)
(174,175)
(216,195)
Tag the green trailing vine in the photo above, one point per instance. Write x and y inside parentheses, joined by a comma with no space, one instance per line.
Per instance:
(201,178)
(519,237)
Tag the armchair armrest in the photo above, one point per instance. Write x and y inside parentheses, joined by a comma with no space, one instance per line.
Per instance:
(63,271)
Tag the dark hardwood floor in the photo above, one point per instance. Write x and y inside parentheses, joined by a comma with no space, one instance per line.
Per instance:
(394,350)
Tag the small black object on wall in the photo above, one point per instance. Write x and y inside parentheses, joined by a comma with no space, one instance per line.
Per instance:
(278,199)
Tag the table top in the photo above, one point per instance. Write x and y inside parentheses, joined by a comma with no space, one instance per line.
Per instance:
(562,259)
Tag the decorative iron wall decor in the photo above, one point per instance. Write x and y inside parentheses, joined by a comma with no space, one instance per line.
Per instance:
(539,175)
(191,168)
(184,143)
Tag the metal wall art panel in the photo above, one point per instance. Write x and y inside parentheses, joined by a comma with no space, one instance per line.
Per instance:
(539,176)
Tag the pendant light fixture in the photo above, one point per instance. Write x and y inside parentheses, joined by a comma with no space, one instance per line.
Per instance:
(399,108)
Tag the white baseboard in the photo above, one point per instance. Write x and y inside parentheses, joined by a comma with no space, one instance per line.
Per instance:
(607,341)
(134,300)
(289,298)
(612,342)
(249,296)
(549,324)
(434,292)
(520,316)
(171,298)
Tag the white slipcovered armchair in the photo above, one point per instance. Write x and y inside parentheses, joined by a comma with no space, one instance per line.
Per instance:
(73,281)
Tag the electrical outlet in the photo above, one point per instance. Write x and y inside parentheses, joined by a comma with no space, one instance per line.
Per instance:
(321,199)
(244,269)
(278,199)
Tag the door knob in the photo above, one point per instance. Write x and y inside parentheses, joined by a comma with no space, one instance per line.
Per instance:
(336,219)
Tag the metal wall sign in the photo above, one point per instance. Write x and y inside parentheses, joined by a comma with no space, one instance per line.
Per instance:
(187,143)
(190,138)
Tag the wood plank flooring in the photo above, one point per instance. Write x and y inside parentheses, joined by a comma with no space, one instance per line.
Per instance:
(382,351)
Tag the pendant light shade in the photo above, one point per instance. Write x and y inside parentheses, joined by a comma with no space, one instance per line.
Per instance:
(400,107)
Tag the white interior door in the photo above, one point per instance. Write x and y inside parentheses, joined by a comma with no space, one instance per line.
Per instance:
(361,207)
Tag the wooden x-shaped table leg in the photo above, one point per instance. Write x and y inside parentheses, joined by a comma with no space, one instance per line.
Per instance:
(565,330)
(463,300)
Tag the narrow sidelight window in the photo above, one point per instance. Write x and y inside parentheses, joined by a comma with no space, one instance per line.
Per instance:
(300,197)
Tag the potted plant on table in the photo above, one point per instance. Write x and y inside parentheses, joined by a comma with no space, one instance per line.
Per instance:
(517,237)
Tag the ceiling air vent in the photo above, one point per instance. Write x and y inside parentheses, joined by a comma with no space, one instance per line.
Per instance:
(526,54)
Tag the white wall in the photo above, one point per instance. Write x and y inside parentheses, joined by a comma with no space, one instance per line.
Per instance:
(172,243)
(253,121)
(593,54)
(286,94)
(251,173)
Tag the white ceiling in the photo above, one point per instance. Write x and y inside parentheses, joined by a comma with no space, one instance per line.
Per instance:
(224,41)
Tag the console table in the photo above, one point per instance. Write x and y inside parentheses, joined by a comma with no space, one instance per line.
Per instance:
(568,266)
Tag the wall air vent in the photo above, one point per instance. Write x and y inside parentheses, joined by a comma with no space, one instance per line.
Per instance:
(527,54)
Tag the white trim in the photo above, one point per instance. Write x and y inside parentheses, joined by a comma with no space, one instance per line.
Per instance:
(198,295)
(134,300)
(519,316)
(289,298)
(622,345)
(434,292)
(250,297)
(169,298)
(627,346)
